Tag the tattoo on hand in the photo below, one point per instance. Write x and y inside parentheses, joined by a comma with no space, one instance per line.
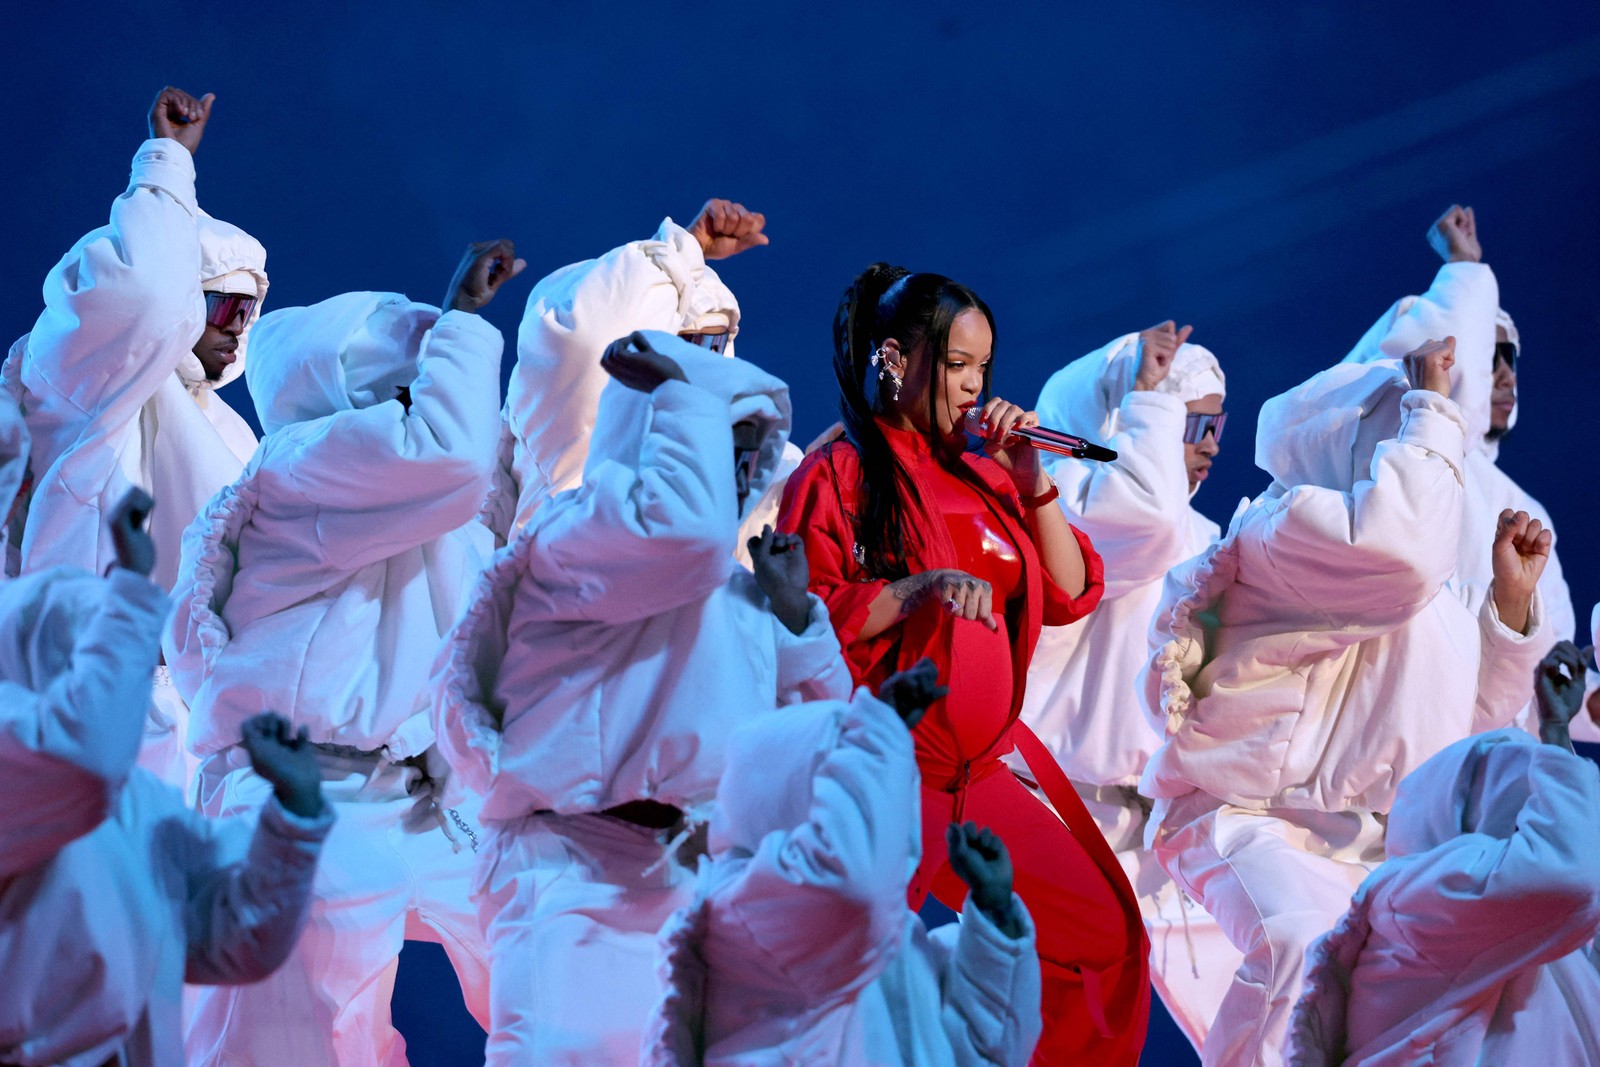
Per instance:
(913,592)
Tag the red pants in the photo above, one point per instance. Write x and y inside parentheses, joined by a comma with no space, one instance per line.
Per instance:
(1093,959)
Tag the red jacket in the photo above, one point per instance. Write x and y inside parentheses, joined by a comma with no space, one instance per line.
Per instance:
(820,503)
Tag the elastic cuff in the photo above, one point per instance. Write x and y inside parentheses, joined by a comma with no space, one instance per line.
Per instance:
(978,927)
(1435,423)
(1500,630)
(286,823)
(165,164)
(470,322)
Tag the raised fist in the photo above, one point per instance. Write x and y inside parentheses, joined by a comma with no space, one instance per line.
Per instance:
(980,859)
(485,267)
(779,562)
(1428,366)
(1521,549)
(1157,347)
(1558,684)
(631,361)
(1454,235)
(724,229)
(135,550)
(910,691)
(178,115)
(284,758)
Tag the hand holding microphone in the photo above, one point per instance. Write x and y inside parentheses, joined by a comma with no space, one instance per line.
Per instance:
(1040,437)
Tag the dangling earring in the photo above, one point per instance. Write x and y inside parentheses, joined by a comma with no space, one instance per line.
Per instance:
(880,359)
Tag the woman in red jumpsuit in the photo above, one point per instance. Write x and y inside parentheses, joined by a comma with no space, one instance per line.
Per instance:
(925,540)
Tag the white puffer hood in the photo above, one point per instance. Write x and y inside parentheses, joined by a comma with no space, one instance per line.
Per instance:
(772,763)
(1085,396)
(703,301)
(231,261)
(767,785)
(1475,786)
(661,283)
(41,616)
(1460,303)
(1324,431)
(347,352)
(751,393)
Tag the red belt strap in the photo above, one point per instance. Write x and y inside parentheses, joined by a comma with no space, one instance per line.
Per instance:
(1058,790)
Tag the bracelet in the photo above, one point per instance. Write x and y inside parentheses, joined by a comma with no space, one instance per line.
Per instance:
(1033,503)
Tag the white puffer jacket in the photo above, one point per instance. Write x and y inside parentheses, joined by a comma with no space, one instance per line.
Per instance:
(1309,660)
(109,382)
(662,283)
(1083,683)
(1473,945)
(817,830)
(1464,302)
(319,584)
(611,647)
(112,893)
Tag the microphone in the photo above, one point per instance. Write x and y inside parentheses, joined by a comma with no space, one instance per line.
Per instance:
(1047,440)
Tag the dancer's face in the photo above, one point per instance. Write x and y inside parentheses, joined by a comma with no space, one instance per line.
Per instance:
(1197,457)
(958,379)
(226,317)
(1503,399)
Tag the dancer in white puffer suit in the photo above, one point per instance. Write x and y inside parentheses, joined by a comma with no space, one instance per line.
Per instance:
(118,379)
(662,283)
(590,689)
(1312,658)
(320,585)
(1083,702)
(1464,303)
(798,947)
(1474,943)
(113,893)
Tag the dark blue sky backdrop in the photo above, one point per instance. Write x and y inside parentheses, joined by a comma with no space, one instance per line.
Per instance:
(1264,171)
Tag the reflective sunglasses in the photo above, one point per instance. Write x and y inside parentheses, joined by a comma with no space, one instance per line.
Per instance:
(1196,426)
(713,342)
(223,308)
(1505,351)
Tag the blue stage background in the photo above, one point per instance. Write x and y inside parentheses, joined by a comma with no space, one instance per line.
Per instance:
(1263,171)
